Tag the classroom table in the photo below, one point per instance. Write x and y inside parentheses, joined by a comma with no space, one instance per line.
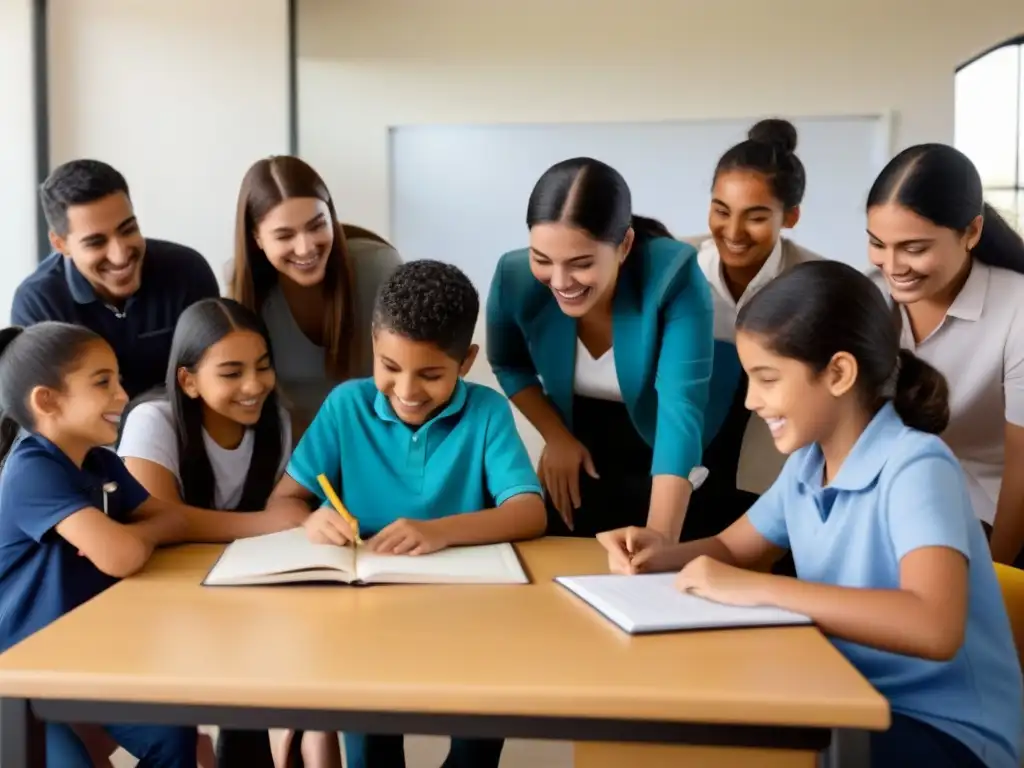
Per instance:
(529,661)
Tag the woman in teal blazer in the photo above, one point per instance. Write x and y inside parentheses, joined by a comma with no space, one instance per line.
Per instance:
(601,334)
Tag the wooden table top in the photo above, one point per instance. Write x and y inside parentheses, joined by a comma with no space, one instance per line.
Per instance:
(506,650)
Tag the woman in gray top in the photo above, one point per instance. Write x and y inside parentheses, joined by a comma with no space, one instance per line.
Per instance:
(312,279)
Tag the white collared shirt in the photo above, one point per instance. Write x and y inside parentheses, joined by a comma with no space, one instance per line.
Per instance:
(760,461)
(979,348)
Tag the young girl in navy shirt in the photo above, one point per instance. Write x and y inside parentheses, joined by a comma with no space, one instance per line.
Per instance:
(72,519)
(893,565)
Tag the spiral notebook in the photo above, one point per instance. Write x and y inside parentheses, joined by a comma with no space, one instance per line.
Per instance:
(289,557)
(651,603)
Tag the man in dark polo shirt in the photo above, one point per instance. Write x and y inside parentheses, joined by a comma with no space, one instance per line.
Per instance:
(106,276)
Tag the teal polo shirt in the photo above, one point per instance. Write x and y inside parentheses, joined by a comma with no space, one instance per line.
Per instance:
(900,490)
(467,458)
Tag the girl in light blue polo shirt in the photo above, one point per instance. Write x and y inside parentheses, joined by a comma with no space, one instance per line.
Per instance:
(892,564)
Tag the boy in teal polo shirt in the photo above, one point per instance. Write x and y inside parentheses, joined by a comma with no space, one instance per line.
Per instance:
(422,459)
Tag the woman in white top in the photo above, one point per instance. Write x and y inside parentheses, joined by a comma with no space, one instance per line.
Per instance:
(955,270)
(312,280)
(216,439)
(756,194)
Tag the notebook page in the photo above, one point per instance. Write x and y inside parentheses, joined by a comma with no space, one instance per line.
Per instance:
(487,564)
(651,603)
(275,553)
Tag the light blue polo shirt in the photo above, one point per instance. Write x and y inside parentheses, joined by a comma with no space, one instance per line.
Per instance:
(467,458)
(900,490)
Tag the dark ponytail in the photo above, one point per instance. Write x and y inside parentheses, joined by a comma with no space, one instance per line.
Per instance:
(770,150)
(592,196)
(38,356)
(922,395)
(939,183)
(817,309)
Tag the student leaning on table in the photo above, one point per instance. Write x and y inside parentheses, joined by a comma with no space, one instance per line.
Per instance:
(892,563)
(955,272)
(601,334)
(218,441)
(72,519)
(419,441)
(756,193)
(312,280)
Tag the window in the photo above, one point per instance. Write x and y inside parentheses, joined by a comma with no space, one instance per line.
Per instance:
(990,124)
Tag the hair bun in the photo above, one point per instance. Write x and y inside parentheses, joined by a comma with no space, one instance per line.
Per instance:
(775,131)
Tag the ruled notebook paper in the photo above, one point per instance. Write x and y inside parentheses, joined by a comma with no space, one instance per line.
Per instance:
(650,603)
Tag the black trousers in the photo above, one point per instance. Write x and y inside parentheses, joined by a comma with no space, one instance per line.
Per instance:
(621,496)
(244,749)
(388,751)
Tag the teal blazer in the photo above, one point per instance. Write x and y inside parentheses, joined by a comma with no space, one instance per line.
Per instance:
(662,339)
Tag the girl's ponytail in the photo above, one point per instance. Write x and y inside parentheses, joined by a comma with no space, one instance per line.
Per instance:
(922,395)
(9,428)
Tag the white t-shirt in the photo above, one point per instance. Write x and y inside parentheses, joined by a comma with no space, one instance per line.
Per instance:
(149,434)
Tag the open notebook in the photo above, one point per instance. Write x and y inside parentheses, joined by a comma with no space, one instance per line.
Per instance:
(289,557)
(651,603)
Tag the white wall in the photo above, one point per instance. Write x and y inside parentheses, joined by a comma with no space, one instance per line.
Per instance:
(17,151)
(180,96)
(368,64)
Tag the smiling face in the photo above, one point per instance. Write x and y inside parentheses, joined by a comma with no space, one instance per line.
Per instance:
(799,405)
(233,379)
(85,411)
(105,244)
(580,271)
(746,219)
(297,236)
(417,377)
(921,261)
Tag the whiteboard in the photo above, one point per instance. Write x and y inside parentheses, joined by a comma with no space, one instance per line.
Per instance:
(459,192)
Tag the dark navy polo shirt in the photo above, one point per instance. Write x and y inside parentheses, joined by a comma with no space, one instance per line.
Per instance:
(42,576)
(173,277)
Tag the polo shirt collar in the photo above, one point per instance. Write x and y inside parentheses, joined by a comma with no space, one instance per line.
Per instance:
(83,292)
(382,407)
(716,272)
(866,460)
(970,301)
(81,289)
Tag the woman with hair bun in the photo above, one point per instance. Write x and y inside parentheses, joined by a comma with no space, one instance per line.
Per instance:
(756,194)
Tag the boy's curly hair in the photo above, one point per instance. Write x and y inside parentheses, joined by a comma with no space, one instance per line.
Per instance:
(428,300)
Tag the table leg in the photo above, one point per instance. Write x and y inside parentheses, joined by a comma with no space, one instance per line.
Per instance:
(601,754)
(22,737)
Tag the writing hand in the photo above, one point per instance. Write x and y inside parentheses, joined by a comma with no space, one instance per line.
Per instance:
(326,526)
(632,550)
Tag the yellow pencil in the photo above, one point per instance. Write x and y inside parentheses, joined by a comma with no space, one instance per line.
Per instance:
(332,497)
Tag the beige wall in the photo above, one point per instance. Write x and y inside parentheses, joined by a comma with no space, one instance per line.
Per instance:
(368,64)
(17,148)
(176,97)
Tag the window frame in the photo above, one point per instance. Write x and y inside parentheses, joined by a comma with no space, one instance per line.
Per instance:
(1017,188)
